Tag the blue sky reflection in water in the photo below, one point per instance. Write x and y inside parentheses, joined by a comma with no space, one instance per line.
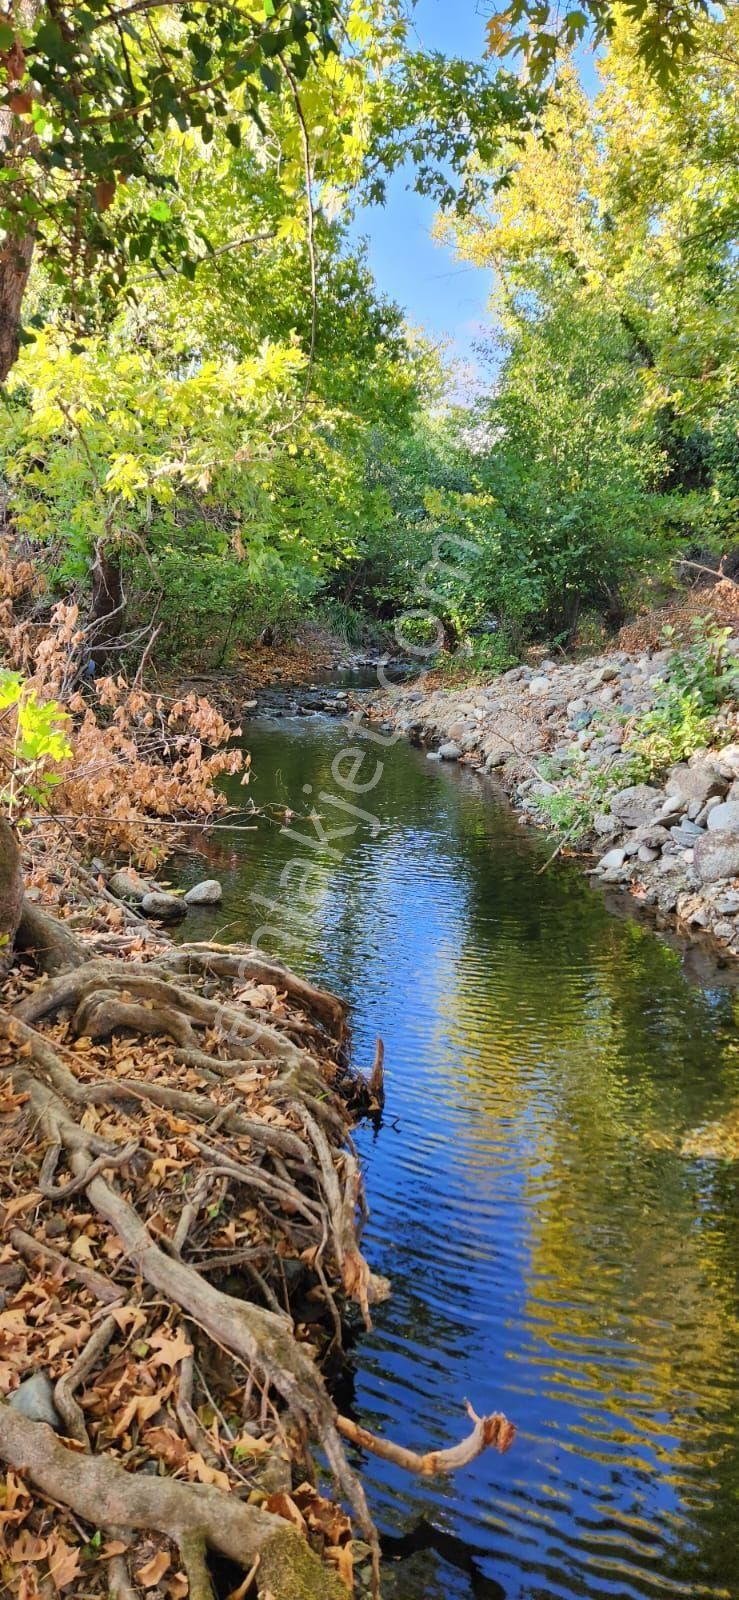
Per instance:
(552,1255)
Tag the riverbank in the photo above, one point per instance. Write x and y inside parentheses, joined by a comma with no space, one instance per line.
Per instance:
(563,739)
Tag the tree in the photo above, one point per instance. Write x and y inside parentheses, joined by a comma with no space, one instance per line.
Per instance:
(91,93)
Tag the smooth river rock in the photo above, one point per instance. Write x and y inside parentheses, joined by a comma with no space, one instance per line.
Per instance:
(165,907)
(127,885)
(724,818)
(207,893)
(449,751)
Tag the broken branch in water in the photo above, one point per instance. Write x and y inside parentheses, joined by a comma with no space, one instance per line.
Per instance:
(493,1432)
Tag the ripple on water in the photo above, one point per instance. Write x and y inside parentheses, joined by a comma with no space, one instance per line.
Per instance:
(547,1257)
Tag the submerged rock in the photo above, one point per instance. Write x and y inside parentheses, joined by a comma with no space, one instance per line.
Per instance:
(166,907)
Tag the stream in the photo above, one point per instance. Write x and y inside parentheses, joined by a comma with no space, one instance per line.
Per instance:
(552,1253)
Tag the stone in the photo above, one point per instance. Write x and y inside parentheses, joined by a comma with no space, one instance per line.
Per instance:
(697,782)
(611,861)
(604,825)
(637,804)
(127,885)
(686,834)
(497,758)
(724,818)
(608,673)
(727,904)
(575,708)
(35,1399)
(539,686)
(716,856)
(166,907)
(582,720)
(433,755)
(207,893)
(645,854)
(449,751)
(705,811)
(727,761)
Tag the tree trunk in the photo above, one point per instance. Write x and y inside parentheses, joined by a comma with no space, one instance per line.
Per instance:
(15,266)
(108,602)
(11,891)
(18,145)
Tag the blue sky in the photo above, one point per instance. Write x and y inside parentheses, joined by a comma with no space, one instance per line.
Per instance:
(444,296)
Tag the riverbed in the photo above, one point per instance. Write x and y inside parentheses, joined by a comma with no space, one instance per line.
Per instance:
(552,1253)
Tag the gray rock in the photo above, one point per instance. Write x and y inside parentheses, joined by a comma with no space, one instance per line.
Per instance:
(727,904)
(686,834)
(605,825)
(582,720)
(449,751)
(727,761)
(697,782)
(497,758)
(575,708)
(716,856)
(207,893)
(166,907)
(433,755)
(724,930)
(35,1399)
(539,686)
(611,861)
(127,885)
(644,853)
(724,818)
(636,805)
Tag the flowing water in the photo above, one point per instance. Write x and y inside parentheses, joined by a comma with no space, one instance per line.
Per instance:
(552,1254)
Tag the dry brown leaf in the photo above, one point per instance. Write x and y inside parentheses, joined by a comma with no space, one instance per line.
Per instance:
(282,1505)
(28,1547)
(148,1575)
(169,1347)
(64,1562)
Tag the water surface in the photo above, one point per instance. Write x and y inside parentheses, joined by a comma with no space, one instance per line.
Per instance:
(552,1254)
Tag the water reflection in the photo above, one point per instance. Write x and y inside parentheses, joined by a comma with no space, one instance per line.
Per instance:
(550,1256)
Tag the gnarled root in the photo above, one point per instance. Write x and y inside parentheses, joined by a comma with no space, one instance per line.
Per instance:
(104,1494)
(215,1141)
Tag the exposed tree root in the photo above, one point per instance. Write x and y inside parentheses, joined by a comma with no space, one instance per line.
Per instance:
(107,1496)
(172,1184)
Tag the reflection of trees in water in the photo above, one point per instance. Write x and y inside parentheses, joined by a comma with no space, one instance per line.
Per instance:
(571,1037)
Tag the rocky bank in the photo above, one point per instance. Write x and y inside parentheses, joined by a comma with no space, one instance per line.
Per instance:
(546,731)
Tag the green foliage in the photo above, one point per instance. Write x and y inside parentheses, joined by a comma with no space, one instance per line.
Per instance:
(33,742)
(683,718)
